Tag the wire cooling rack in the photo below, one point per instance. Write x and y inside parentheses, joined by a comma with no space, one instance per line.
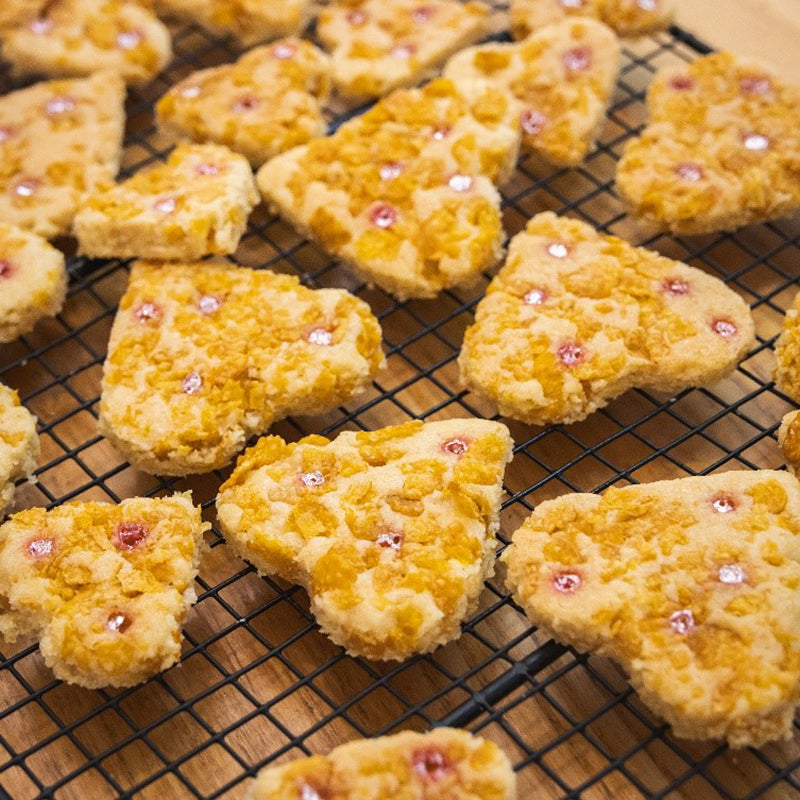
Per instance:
(258,683)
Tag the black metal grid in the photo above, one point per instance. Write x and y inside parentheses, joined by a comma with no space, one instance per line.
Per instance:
(257,682)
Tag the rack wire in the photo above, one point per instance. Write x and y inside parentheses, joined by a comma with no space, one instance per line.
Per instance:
(257,683)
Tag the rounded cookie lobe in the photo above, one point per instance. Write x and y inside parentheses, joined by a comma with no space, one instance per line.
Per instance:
(19,455)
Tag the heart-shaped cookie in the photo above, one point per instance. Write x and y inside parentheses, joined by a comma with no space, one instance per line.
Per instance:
(446,763)
(379,45)
(576,318)
(560,81)
(404,193)
(391,532)
(104,588)
(722,148)
(202,356)
(267,102)
(19,444)
(691,585)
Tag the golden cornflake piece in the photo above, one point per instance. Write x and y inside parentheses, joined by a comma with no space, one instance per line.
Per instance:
(787,377)
(560,81)
(266,103)
(249,21)
(202,356)
(16,12)
(19,444)
(57,141)
(391,532)
(445,763)
(104,588)
(576,318)
(380,45)
(195,204)
(33,281)
(404,194)
(80,37)
(626,17)
(722,149)
(691,585)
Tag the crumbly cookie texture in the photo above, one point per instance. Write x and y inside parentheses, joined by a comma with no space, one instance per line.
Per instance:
(33,281)
(576,318)
(105,588)
(404,194)
(787,377)
(267,102)
(58,140)
(445,764)
(196,203)
(626,17)
(249,21)
(722,148)
(80,37)
(559,82)
(391,532)
(15,12)
(19,444)
(380,45)
(203,356)
(691,585)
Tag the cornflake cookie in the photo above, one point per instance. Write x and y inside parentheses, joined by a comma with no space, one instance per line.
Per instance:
(576,318)
(15,12)
(249,21)
(722,149)
(104,588)
(266,103)
(560,81)
(404,194)
(79,37)
(202,356)
(19,444)
(379,45)
(33,281)
(391,532)
(195,204)
(626,17)
(57,141)
(445,763)
(787,377)
(691,585)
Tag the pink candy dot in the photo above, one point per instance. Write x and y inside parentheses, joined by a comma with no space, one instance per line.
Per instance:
(460,183)
(127,40)
(689,172)
(320,336)
(311,479)
(308,792)
(284,50)
(431,764)
(755,84)
(723,503)
(455,446)
(129,535)
(5,134)
(26,187)
(118,622)
(755,142)
(6,269)
(147,311)
(573,3)
(207,169)
(191,91)
(383,216)
(166,205)
(532,121)
(209,304)
(567,582)
(40,26)
(675,287)
(441,132)
(39,548)
(390,540)
(731,574)
(246,103)
(578,59)
(682,621)
(192,383)
(59,105)
(391,170)
(423,13)
(357,17)
(570,354)
(535,297)
(724,328)
(558,249)
(681,83)
(647,5)
(404,50)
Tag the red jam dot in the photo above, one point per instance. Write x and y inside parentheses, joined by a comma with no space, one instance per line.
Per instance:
(682,621)
(423,13)
(535,297)
(118,622)
(320,336)
(724,328)
(567,582)
(404,50)
(129,535)
(6,269)
(390,540)
(5,134)
(246,103)
(166,205)
(207,169)
(209,304)
(284,50)
(26,187)
(431,764)
(391,170)
(40,26)
(689,172)
(59,105)
(147,311)
(754,84)
(191,91)
(357,17)
(558,249)
(311,479)
(675,287)
(441,132)
(127,40)
(723,504)
(192,383)
(460,183)
(756,141)
(39,548)
(570,354)
(578,59)
(681,83)
(383,216)
(455,446)
(731,574)
(532,121)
